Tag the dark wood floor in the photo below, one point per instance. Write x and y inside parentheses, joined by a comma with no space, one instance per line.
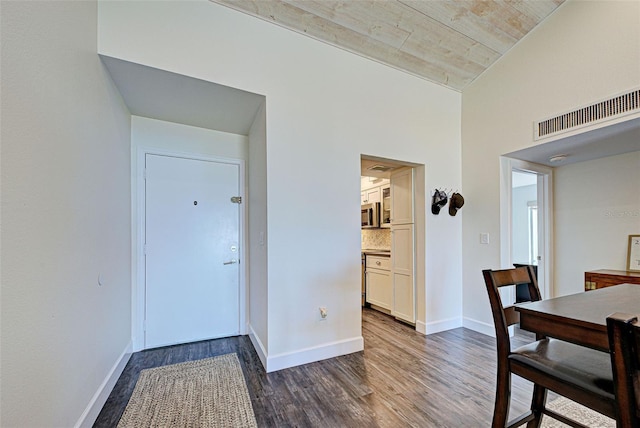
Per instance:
(402,378)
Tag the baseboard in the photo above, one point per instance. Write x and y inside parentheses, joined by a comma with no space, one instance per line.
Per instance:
(92,411)
(438,326)
(316,353)
(479,326)
(257,345)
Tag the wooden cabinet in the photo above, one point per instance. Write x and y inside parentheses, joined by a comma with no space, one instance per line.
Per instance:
(402,197)
(402,272)
(379,286)
(606,278)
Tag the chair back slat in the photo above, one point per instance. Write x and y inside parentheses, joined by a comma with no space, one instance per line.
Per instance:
(515,276)
(624,346)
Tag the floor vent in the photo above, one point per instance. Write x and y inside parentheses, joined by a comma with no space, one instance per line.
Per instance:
(598,112)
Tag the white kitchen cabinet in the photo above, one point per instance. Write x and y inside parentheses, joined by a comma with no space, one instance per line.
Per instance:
(370,196)
(385,206)
(402,197)
(402,272)
(378,279)
(371,189)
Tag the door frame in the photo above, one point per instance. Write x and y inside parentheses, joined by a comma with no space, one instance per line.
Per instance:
(138,300)
(545,207)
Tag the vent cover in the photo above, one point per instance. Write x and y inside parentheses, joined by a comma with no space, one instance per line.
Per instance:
(586,116)
(380,168)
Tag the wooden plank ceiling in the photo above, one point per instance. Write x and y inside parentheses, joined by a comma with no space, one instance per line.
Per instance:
(444,41)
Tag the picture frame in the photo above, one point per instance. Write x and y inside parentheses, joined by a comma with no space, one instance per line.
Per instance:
(633,254)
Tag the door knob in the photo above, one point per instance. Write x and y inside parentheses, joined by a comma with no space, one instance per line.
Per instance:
(230,262)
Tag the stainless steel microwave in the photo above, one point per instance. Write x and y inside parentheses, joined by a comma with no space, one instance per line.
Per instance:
(370,215)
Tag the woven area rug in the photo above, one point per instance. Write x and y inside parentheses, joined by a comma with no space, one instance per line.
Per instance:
(203,393)
(576,412)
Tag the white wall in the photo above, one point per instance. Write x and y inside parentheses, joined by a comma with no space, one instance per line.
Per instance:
(325,107)
(258,239)
(597,207)
(585,51)
(65,217)
(161,136)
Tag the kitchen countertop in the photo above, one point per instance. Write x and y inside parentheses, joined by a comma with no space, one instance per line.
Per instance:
(373,252)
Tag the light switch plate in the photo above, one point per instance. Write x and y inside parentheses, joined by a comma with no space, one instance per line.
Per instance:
(484,238)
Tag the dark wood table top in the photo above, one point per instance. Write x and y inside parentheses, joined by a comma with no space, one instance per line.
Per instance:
(580,318)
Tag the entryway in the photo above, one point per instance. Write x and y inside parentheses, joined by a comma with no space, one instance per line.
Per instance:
(392,238)
(526,219)
(192,249)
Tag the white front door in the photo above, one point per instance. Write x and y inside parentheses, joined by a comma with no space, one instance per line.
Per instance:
(192,252)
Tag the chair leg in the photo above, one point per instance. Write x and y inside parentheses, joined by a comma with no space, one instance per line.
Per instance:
(538,402)
(503,396)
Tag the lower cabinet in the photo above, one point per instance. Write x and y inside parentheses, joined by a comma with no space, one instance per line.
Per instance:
(403,307)
(390,285)
(379,285)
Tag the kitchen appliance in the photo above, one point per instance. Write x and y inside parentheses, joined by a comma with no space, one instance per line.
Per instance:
(370,215)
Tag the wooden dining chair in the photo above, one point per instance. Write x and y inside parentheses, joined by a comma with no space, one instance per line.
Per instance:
(578,373)
(624,342)
(522,291)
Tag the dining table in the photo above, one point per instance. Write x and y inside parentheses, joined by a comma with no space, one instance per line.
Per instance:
(580,318)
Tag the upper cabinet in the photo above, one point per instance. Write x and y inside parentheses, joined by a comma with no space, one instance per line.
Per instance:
(371,189)
(402,197)
(370,196)
(385,206)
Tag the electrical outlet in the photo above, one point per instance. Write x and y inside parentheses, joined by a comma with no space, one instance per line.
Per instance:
(484,238)
(323,313)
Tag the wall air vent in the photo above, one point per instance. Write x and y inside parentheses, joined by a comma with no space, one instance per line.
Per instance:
(604,110)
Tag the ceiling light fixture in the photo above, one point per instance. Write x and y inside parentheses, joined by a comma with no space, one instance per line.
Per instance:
(558,158)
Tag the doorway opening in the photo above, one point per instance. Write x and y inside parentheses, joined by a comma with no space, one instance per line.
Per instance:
(524,217)
(526,221)
(392,238)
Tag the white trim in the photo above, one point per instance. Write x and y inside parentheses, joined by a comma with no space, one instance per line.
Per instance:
(96,403)
(545,207)
(547,212)
(137,289)
(313,354)
(479,326)
(259,347)
(506,184)
(438,326)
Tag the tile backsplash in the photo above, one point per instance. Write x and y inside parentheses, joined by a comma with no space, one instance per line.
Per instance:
(376,239)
